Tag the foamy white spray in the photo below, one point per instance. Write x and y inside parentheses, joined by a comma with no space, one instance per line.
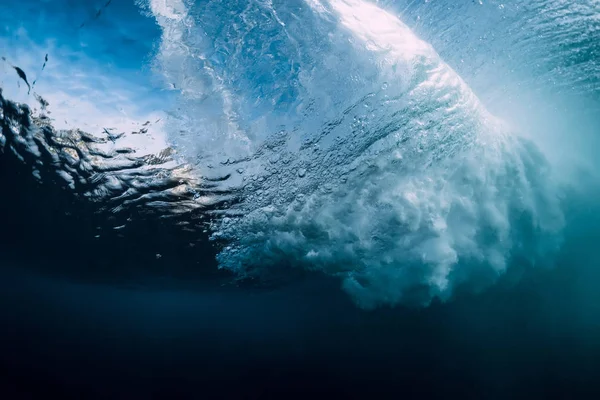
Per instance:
(355,149)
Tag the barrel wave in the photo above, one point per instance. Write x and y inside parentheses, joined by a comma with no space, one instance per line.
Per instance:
(377,142)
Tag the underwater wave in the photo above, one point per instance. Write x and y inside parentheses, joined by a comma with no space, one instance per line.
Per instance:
(328,136)
(361,153)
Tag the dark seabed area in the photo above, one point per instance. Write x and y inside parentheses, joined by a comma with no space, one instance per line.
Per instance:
(167,328)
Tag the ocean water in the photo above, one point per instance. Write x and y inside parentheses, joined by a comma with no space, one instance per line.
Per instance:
(266,199)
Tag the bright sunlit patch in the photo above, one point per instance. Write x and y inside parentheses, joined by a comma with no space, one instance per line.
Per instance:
(81,94)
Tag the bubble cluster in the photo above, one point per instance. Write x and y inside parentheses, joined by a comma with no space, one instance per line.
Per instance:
(364,155)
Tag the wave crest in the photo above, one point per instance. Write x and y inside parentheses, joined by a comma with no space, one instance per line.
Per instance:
(354,149)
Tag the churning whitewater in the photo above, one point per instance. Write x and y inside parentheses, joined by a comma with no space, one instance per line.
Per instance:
(355,149)
(326,136)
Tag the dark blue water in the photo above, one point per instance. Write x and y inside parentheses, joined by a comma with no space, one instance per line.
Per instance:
(535,339)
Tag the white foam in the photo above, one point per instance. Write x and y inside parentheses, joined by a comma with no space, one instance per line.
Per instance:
(368,157)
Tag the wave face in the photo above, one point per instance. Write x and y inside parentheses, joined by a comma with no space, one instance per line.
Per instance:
(354,149)
(532,62)
(372,141)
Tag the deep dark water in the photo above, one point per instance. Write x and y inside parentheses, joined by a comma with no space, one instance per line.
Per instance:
(536,340)
(89,319)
